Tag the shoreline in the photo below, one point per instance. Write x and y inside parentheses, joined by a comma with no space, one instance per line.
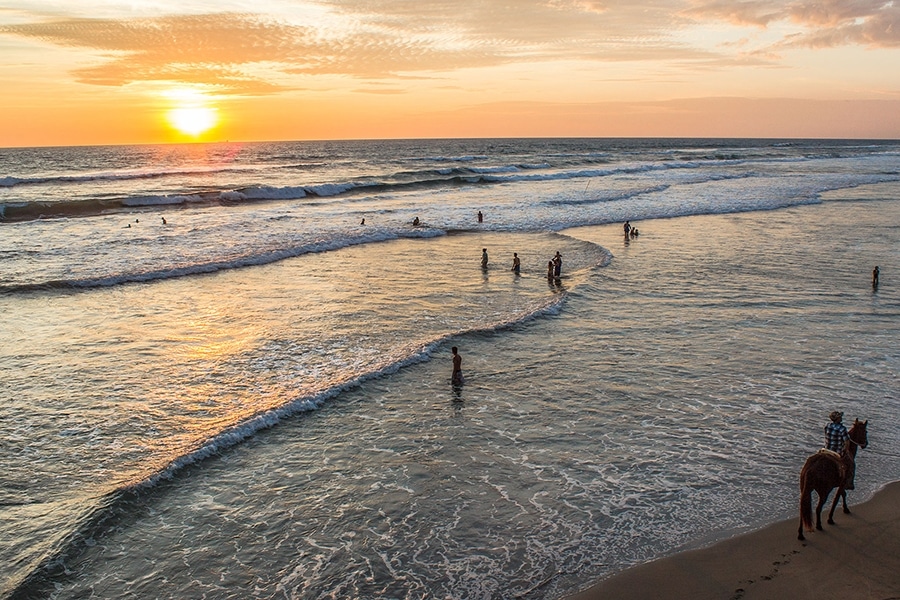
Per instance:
(858,557)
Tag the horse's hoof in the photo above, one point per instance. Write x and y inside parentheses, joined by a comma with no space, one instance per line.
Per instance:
(819,527)
(801,538)
(846,511)
(831,521)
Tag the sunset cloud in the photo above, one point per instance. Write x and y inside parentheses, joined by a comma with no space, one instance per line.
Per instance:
(376,39)
(391,58)
(819,24)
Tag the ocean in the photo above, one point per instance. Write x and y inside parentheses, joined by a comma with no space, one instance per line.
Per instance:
(227,366)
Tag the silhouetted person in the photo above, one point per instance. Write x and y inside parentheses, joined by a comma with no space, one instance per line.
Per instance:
(484,258)
(875,273)
(517,264)
(456,378)
(480,217)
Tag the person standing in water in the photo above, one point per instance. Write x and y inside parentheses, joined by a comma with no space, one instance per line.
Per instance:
(875,273)
(480,217)
(557,264)
(456,378)
(517,264)
(484,258)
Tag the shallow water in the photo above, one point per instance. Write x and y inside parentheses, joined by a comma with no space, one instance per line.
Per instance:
(673,395)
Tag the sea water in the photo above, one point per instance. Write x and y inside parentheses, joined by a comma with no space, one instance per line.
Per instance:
(253,398)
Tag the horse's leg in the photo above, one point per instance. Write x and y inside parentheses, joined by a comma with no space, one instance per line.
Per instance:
(805,508)
(819,505)
(844,498)
(840,494)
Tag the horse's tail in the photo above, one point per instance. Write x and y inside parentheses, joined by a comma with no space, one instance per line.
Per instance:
(805,501)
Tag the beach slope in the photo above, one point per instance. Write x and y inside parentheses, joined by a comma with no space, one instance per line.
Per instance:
(859,558)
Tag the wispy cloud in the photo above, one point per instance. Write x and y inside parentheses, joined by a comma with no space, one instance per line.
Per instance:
(261,53)
(366,39)
(823,23)
(211,49)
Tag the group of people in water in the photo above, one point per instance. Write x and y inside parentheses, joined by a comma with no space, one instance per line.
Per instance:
(164,222)
(630,231)
(554,265)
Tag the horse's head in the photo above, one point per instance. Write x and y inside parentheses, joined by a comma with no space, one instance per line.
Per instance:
(858,433)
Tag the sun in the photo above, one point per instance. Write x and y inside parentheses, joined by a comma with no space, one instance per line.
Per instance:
(193,120)
(191,111)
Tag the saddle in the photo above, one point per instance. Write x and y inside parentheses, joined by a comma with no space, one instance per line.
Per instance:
(845,466)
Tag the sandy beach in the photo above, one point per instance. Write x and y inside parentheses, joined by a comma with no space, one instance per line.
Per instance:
(858,557)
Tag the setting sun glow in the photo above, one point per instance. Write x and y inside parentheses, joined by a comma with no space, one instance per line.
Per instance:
(193,120)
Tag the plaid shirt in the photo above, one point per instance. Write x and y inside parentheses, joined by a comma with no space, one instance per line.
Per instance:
(836,436)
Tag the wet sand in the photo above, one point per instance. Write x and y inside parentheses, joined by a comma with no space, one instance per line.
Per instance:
(858,557)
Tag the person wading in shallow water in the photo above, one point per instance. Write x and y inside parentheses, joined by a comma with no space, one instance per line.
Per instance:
(456,378)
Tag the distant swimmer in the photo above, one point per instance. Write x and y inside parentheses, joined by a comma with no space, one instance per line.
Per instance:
(163,220)
(517,264)
(627,228)
(557,264)
(550,269)
(480,217)
(137,220)
(363,222)
(484,258)
(456,378)
(416,222)
(875,273)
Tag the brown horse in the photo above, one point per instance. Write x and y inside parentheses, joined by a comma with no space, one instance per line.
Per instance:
(823,472)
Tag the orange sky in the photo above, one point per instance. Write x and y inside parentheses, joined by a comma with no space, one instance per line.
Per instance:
(132,71)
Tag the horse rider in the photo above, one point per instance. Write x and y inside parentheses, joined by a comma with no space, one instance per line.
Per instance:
(836,434)
(836,438)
